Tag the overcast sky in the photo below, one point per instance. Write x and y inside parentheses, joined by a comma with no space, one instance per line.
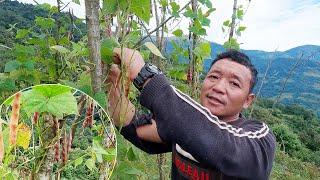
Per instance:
(271,24)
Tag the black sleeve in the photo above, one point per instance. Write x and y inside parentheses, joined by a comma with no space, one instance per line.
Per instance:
(246,152)
(129,132)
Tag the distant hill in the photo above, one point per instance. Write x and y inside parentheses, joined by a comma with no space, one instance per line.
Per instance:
(303,85)
(16,15)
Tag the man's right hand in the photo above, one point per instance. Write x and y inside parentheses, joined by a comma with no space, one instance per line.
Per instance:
(131,58)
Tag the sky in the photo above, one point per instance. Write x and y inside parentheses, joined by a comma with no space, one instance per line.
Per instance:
(271,24)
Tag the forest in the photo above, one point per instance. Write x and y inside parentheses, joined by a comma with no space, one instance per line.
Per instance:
(42,44)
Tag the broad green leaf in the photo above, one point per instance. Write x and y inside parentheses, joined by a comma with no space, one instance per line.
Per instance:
(11,66)
(154,49)
(23,136)
(52,99)
(101,97)
(177,74)
(78,161)
(97,146)
(50,90)
(90,163)
(22,33)
(60,49)
(62,104)
(45,23)
(141,8)
(178,33)
(110,6)
(107,47)
(131,155)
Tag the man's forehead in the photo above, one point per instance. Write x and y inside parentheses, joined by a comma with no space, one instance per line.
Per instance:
(228,66)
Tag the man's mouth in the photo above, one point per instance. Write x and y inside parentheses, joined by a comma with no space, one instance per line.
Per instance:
(215,100)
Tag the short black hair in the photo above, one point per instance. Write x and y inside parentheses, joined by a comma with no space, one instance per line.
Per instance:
(241,58)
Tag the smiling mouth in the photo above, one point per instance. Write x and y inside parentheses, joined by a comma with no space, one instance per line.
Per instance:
(215,100)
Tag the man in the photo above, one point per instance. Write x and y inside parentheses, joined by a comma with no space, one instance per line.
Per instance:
(211,140)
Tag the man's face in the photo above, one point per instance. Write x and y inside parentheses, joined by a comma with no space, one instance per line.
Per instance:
(225,90)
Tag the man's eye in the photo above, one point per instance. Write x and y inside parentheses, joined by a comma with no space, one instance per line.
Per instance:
(213,77)
(235,84)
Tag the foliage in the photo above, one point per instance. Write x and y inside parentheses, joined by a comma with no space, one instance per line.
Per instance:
(45,145)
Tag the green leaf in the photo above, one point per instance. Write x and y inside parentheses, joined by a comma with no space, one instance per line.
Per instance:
(232,44)
(51,90)
(97,146)
(78,161)
(11,66)
(107,47)
(154,49)
(51,99)
(164,3)
(203,50)
(141,8)
(90,163)
(112,152)
(241,28)
(76,1)
(189,13)
(60,49)
(240,14)
(110,6)
(226,23)
(178,33)
(175,8)
(22,33)
(209,4)
(101,97)
(45,23)
(131,155)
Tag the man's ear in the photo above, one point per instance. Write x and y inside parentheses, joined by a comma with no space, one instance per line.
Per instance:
(249,100)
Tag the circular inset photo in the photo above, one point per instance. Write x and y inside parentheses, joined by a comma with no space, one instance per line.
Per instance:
(53,131)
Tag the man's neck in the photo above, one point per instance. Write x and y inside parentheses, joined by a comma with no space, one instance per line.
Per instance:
(230,118)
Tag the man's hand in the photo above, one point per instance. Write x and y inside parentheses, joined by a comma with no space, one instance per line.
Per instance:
(120,108)
(132,59)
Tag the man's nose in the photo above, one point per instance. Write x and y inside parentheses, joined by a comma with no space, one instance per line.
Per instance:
(220,86)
